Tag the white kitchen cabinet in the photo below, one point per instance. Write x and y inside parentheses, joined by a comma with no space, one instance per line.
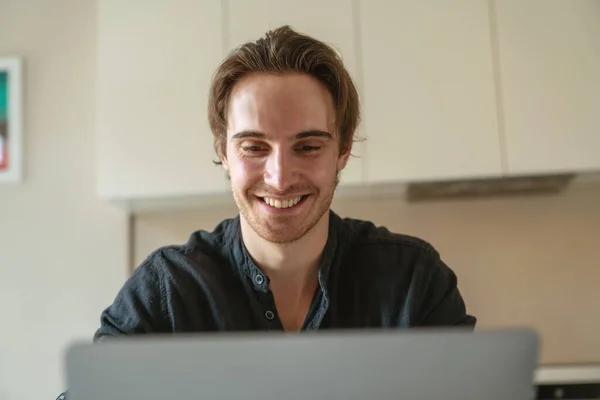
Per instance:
(429,95)
(549,52)
(332,21)
(155,62)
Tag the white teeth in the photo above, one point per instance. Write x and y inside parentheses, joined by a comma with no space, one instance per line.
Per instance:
(282,204)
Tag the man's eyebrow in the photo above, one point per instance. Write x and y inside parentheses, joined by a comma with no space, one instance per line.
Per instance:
(249,134)
(314,133)
(302,135)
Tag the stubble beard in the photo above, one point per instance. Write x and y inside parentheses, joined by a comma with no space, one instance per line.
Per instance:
(281,229)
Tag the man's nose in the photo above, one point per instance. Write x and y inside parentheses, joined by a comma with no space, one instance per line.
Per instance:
(280,170)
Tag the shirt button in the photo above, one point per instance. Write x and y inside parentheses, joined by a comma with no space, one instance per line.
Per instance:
(269,315)
(259,279)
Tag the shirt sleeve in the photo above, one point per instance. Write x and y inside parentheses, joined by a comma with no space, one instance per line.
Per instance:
(442,303)
(138,306)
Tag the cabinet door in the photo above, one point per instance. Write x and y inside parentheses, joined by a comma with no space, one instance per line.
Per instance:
(331,21)
(429,106)
(155,62)
(550,72)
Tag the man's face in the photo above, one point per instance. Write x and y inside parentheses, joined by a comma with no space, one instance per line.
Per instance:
(282,153)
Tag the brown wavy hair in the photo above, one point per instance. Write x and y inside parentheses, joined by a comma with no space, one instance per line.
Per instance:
(280,51)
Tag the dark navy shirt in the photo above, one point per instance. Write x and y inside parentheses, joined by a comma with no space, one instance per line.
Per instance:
(369,277)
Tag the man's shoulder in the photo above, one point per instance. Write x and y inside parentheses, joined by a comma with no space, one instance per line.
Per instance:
(158,293)
(202,249)
(377,249)
(406,267)
(368,236)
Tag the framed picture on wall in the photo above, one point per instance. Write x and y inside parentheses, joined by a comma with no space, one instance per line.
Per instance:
(11,131)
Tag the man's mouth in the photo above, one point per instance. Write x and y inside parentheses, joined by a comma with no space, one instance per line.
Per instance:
(288,203)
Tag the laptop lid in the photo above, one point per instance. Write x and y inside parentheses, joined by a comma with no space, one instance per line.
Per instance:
(383,364)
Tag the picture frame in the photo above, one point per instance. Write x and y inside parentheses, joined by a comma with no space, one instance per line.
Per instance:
(11,121)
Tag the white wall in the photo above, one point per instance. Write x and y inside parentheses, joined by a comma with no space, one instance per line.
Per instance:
(62,252)
(526,261)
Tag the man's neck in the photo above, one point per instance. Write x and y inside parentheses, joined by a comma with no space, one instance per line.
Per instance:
(293,265)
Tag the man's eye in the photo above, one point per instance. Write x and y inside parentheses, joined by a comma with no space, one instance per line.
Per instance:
(309,149)
(252,148)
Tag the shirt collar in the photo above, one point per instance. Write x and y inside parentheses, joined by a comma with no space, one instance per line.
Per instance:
(241,258)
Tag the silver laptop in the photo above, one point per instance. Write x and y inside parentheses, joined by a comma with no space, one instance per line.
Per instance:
(348,365)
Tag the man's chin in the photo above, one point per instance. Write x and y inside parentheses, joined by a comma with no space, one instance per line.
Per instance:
(279,239)
(278,232)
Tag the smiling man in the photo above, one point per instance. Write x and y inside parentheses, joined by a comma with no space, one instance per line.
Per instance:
(283,111)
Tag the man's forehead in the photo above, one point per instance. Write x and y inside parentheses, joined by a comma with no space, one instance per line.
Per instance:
(281,91)
(283,108)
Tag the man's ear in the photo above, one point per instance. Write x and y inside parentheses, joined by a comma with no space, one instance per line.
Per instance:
(224,162)
(343,158)
(222,157)
(225,165)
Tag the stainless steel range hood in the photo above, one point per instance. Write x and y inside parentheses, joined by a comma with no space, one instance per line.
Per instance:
(478,188)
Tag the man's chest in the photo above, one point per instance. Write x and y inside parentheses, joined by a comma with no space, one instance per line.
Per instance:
(335,308)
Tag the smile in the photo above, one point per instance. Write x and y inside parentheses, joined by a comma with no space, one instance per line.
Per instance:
(289,203)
